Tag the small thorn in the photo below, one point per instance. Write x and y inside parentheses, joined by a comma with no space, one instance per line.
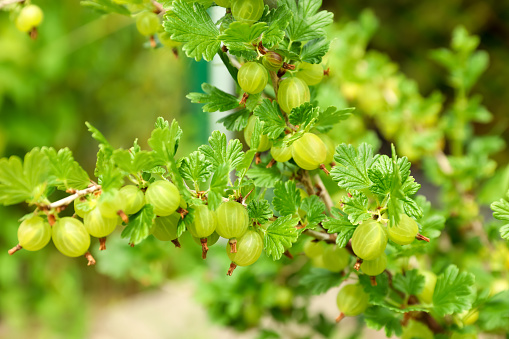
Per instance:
(271,163)
(288,254)
(340,317)
(204,248)
(233,244)
(176,243)
(102,244)
(357,265)
(90,258)
(324,169)
(15,249)
(233,266)
(421,237)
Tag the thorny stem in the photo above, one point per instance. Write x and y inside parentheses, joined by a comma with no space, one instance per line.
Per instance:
(90,258)
(15,249)
(306,181)
(69,199)
(244,99)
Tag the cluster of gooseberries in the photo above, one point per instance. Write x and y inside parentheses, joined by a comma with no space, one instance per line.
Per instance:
(101,213)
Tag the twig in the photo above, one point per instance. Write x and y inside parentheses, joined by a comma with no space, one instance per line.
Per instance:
(306,181)
(9,2)
(328,238)
(324,194)
(67,200)
(15,249)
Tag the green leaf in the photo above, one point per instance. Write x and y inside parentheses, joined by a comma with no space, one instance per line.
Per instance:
(318,281)
(226,61)
(330,117)
(24,181)
(106,6)
(340,225)
(280,235)
(270,114)
(304,116)
(195,167)
(278,19)
(314,50)
(220,152)
(134,163)
(240,35)
(140,225)
(454,291)
(500,210)
(352,166)
(236,121)
(264,177)
(190,24)
(380,173)
(67,171)
(494,314)
(378,317)
(308,22)
(259,211)
(165,139)
(504,232)
(253,101)
(411,283)
(218,184)
(314,208)
(395,206)
(286,197)
(214,99)
(356,207)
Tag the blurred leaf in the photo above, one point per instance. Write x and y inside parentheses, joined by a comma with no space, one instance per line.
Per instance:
(318,281)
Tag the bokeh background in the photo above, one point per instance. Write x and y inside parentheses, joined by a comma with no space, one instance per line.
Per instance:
(89,67)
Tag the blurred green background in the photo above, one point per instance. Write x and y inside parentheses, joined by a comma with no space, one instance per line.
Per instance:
(88,67)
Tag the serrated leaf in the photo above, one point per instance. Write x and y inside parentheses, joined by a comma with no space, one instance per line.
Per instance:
(411,283)
(504,232)
(308,22)
(378,317)
(286,197)
(395,205)
(67,171)
(277,19)
(214,99)
(240,35)
(264,177)
(314,50)
(380,174)
(133,163)
(165,139)
(318,281)
(340,225)
(500,210)
(270,114)
(195,167)
(220,152)
(304,116)
(356,207)
(330,117)
(106,6)
(236,121)
(140,225)
(454,291)
(190,24)
(314,209)
(352,166)
(218,184)
(280,235)
(259,211)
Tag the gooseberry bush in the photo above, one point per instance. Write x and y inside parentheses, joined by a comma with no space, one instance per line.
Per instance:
(305,183)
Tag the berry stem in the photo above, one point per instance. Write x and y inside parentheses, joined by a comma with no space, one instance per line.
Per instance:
(90,258)
(233,266)
(324,169)
(271,163)
(123,216)
(176,243)
(15,249)
(421,237)
(102,243)
(244,99)
(340,317)
(204,248)
(233,244)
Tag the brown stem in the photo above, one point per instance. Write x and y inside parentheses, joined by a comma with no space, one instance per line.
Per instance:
(34,33)
(306,181)
(326,72)
(433,325)
(183,212)
(233,266)
(332,164)
(288,66)
(288,254)
(204,248)
(123,216)
(244,99)
(102,244)
(324,194)
(233,244)
(324,169)
(421,237)
(340,317)
(159,8)
(176,243)
(258,160)
(275,81)
(90,258)
(51,219)
(153,42)
(373,280)
(224,49)
(15,249)
(357,265)
(262,49)
(271,163)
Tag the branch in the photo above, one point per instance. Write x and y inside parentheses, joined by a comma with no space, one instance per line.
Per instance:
(328,238)
(9,2)
(67,200)
(324,194)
